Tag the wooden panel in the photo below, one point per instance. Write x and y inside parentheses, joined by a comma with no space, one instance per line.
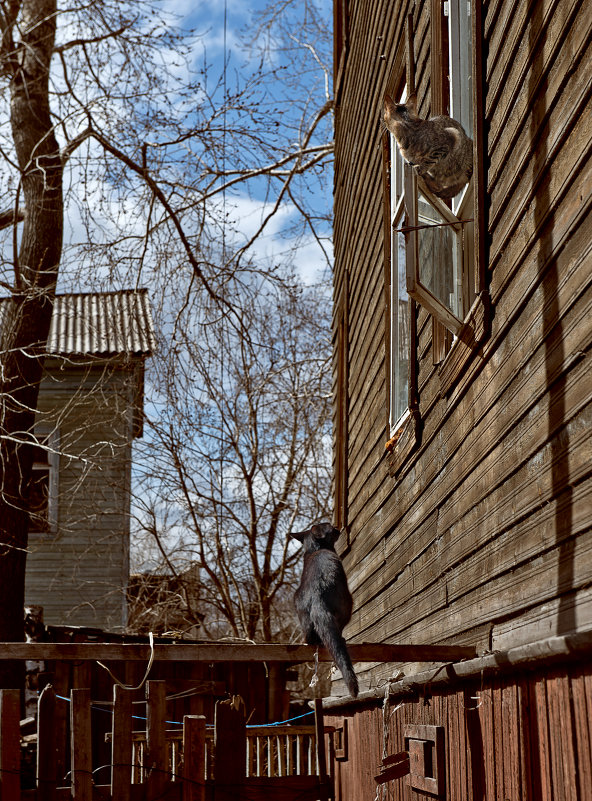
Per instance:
(121,744)
(46,745)
(80,739)
(10,751)
(505,739)
(485,532)
(157,752)
(194,767)
(581,690)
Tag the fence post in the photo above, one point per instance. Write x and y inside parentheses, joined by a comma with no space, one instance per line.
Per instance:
(230,747)
(157,758)
(46,745)
(121,744)
(194,758)
(320,738)
(80,745)
(10,745)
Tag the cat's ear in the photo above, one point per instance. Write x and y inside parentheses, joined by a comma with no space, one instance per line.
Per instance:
(392,117)
(389,109)
(299,535)
(411,104)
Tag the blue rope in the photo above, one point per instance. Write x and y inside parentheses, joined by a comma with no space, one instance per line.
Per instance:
(178,723)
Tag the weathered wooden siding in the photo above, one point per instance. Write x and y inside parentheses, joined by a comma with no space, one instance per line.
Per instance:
(526,738)
(485,535)
(79,573)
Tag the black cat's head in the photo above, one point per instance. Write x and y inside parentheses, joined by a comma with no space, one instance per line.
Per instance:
(321,535)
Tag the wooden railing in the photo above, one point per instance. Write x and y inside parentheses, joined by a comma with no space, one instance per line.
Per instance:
(270,751)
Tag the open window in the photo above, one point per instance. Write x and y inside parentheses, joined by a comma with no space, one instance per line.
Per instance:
(434,248)
(440,234)
(401,335)
(43,493)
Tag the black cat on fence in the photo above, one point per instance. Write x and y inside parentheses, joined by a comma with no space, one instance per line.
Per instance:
(323,600)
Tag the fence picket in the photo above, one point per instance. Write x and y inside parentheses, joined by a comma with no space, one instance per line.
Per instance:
(10,746)
(157,762)
(80,731)
(230,746)
(194,758)
(121,744)
(320,739)
(47,752)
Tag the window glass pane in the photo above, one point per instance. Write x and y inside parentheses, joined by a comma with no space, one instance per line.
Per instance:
(397,166)
(396,175)
(440,257)
(461,71)
(400,331)
(460,55)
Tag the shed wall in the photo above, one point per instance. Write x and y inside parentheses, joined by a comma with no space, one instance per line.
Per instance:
(79,572)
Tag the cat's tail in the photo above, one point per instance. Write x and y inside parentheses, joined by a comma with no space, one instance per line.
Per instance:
(333,641)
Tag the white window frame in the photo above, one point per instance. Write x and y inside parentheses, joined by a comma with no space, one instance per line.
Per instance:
(460,215)
(458,13)
(398,413)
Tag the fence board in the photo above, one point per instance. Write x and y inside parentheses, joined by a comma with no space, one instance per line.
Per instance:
(157,756)
(194,757)
(10,749)
(47,760)
(230,744)
(228,652)
(320,739)
(80,732)
(121,745)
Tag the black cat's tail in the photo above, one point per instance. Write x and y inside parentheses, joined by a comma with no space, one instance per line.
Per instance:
(331,638)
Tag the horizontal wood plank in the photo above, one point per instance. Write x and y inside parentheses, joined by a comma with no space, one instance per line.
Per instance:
(227,652)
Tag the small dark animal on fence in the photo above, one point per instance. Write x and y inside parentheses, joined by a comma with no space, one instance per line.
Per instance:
(323,600)
(438,148)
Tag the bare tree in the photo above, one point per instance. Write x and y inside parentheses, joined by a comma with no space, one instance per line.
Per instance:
(239,455)
(104,117)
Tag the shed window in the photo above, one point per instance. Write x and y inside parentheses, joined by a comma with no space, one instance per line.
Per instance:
(43,489)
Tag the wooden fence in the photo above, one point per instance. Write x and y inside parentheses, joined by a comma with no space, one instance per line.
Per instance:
(270,751)
(190,764)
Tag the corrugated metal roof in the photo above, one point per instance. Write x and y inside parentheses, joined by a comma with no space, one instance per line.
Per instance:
(101,323)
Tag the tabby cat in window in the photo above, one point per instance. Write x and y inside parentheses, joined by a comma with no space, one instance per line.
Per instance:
(438,148)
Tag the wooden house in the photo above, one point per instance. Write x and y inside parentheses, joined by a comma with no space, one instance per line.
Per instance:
(463,400)
(90,411)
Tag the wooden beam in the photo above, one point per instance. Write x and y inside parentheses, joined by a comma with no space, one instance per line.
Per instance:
(230,652)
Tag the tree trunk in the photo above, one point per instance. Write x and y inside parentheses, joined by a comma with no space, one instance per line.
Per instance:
(25,326)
